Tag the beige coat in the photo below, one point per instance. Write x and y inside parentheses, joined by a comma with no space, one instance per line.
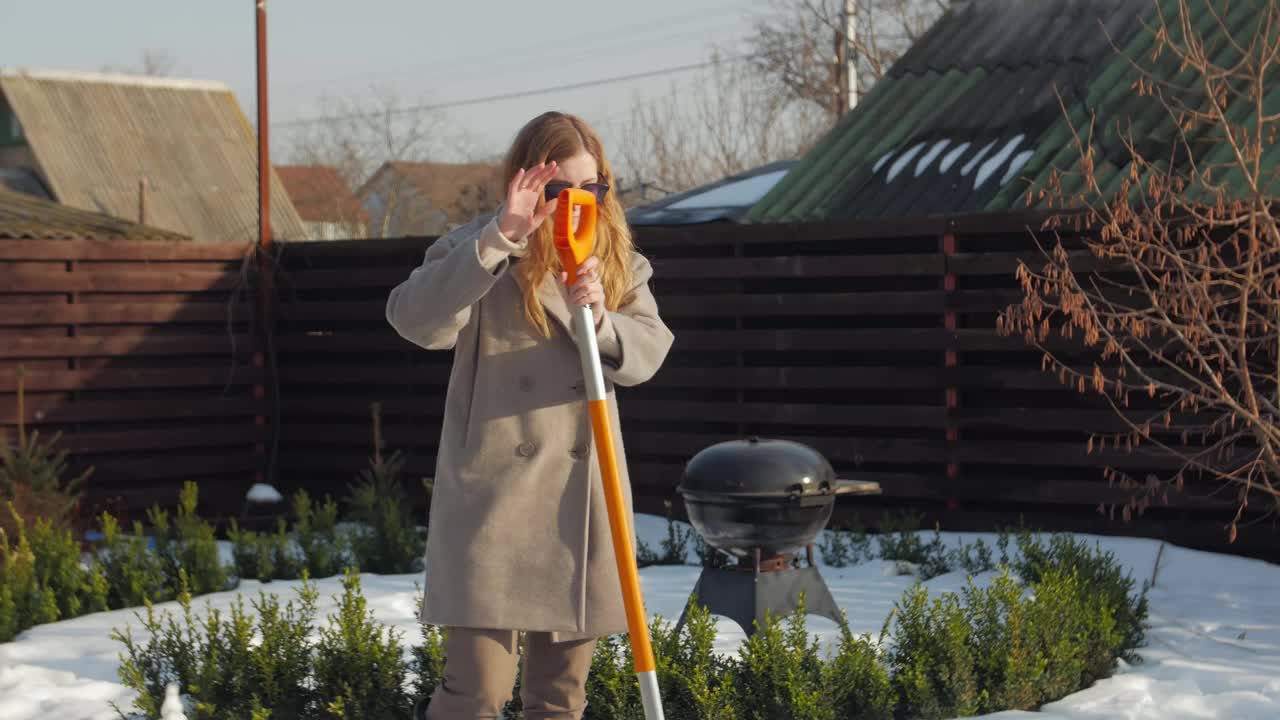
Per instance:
(518,534)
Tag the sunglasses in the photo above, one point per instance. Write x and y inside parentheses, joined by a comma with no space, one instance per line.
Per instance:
(553,190)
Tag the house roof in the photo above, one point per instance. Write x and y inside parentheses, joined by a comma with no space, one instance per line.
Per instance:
(725,199)
(971,118)
(23,217)
(96,137)
(319,194)
(450,187)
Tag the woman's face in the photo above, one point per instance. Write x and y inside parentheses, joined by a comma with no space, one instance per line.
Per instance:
(577,171)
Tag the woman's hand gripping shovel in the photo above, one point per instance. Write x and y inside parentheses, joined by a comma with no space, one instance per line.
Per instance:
(575,246)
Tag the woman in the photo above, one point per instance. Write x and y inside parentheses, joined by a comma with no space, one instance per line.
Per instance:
(518,537)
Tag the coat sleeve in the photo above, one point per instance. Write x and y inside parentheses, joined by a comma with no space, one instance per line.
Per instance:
(434,303)
(633,339)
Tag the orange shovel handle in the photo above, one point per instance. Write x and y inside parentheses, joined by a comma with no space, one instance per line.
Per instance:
(573,246)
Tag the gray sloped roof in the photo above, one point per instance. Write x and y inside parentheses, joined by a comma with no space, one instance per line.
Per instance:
(94,137)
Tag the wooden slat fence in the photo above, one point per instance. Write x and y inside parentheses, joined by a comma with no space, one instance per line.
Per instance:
(875,342)
(142,355)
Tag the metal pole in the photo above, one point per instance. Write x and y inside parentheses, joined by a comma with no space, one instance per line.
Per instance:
(850,54)
(264,154)
(264,358)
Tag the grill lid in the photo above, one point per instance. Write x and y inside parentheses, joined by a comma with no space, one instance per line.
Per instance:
(759,468)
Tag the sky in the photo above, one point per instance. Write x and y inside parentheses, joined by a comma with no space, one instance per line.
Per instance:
(421,51)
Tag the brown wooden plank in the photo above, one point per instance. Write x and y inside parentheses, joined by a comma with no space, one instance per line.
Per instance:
(244,433)
(425,437)
(800,266)
(904,416)
(122,314)
(878,377)
(98,280)
(343,405)
(922,416)
(866,339)
(175,465)
(127,343)
(1060,454)
(119,250)
(131,378)
(807,304)
(997,263)
(709,268)
(177,407)
(717,305)
(1047,418)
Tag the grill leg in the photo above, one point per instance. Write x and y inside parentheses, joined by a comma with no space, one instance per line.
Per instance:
(748,598)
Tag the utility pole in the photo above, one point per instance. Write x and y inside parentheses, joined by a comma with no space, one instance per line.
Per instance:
(844,68)
(850,57)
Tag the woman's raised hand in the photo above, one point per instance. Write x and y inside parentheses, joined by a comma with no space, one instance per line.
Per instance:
(521,215)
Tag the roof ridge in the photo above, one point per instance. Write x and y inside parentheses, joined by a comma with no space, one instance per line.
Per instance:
(115,79)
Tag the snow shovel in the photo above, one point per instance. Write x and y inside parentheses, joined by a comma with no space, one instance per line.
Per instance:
(574,247)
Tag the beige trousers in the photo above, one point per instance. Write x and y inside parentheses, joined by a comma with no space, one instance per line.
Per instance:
(480,671)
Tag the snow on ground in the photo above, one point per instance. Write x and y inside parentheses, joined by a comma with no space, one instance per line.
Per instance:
(1213,649)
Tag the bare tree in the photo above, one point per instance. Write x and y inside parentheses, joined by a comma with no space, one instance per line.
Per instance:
(801,45)
(1185,308)
(153,63)
(724,121)
(358,134)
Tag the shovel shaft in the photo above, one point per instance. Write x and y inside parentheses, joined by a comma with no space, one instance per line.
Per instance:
(619,528)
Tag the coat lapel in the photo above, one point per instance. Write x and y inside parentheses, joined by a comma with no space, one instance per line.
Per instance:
(554,298)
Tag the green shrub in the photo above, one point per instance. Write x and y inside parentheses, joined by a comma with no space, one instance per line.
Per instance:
(58,567)
(974,558)
(187,543)
(134,573)
(243,665)
(31,475)
(695,682)
(1098,573)
(264,556)
(42,579)
(359,665)
(779,673)
(931,557)
(612,690)
(23,600)
(387,541)
(324,550)
(932,661)
(844,548)
(1007,660)
(856,680)
(427,665)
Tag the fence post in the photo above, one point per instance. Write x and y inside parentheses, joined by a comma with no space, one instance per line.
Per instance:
(951,360)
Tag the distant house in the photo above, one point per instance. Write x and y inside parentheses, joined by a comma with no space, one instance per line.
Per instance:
(326,204)
(23,217)
(175,154)
(728,199)
(414,198)
(971,118)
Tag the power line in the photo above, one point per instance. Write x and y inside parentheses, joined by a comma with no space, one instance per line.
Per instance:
(514,95)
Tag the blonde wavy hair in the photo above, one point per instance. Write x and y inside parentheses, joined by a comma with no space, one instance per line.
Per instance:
(560,136)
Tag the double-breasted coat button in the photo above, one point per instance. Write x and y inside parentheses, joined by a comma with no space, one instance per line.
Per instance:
(526,449)
(578,453)
(526,383)
(579,388)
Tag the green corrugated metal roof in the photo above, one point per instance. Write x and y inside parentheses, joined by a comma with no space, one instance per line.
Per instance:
(971,118)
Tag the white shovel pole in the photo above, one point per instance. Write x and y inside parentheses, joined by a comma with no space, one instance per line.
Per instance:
(574,249)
